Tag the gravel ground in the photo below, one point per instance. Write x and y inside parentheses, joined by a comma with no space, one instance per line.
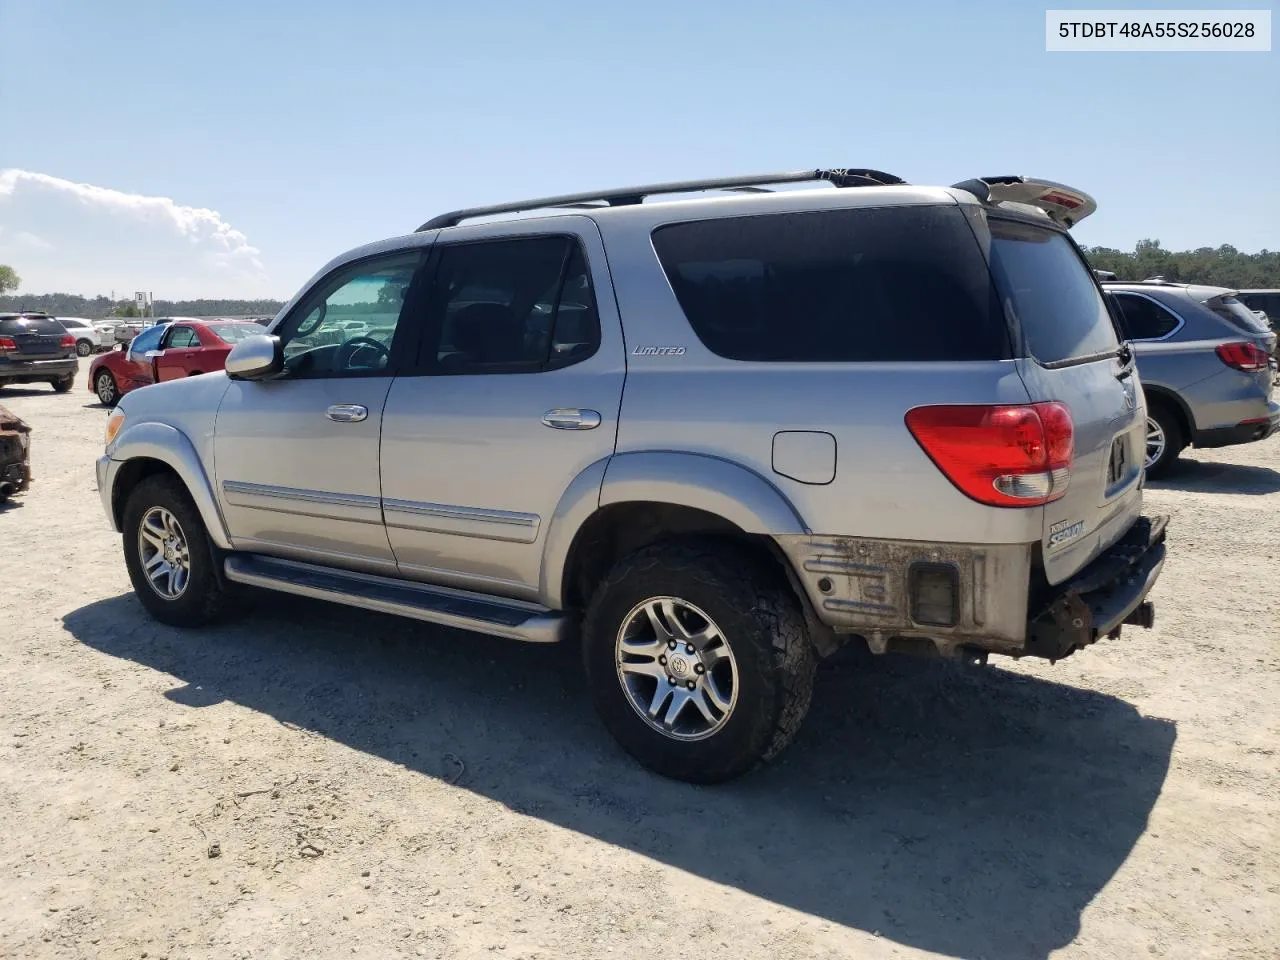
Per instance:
(316,782)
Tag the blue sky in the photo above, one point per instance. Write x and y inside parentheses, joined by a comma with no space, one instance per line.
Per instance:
(312,128)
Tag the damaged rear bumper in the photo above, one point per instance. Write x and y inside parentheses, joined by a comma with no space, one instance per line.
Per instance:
(1101,598)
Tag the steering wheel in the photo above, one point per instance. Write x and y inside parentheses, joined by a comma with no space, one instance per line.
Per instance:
(349,348)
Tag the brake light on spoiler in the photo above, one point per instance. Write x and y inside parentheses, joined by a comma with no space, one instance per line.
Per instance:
(1001,455)
(1057,201)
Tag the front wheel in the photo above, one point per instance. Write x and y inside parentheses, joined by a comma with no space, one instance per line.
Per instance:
(105,387)
(699,663)
(169,556)
(63,385)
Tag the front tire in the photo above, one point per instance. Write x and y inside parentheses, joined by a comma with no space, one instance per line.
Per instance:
(699,661)
(170,560)
(105,387)
(1164,441)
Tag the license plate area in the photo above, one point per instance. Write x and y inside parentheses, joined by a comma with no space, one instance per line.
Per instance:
(1118,461)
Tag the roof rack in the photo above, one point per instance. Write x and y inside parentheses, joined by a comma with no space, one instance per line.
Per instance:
(629,196)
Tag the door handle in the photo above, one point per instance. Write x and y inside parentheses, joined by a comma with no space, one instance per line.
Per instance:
(347,412)
(571,418)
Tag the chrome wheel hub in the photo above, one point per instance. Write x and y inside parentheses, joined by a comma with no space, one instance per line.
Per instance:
(162,548)
(676,668)
(1156,442)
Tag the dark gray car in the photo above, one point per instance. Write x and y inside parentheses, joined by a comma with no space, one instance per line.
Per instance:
(1205,363)
(35,348)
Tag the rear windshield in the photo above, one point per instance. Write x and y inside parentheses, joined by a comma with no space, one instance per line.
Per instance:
(886,284)
(1056,300)
(1238,315)
(235,332)
(12,326)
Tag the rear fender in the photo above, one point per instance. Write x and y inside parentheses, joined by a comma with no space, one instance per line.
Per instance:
(170,446)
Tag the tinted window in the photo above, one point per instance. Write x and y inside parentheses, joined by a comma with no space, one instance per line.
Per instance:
(1143,319)
(344,327)
(180,337)
(1055,298)
(509,306)
(889,284)
(1237,314)
(235,332)
(44,326)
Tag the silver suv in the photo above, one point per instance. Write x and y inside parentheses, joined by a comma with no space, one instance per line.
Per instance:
(1205,360)
(711,439)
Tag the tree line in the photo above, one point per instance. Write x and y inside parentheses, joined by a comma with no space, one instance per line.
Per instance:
(95,308)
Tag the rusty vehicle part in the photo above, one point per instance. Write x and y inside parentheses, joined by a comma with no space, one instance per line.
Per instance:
(15,454)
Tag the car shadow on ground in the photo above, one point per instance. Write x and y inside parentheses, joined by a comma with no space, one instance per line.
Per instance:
(973,812)
(1205,476)
(33,390)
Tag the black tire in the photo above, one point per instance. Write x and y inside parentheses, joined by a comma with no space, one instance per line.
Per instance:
(1174,443)
(205,598)
(104,385)
(84,348)
(64,385)
(761,622)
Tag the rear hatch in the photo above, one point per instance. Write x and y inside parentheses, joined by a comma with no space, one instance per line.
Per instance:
(1257,329)
(1071,354)
(36,338)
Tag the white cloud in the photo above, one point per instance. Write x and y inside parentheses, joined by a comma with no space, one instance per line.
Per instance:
(63,236)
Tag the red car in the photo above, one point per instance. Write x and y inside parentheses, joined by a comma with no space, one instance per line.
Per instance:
(166,351)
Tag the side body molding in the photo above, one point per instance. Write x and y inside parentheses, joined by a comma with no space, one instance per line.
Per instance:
(160,441)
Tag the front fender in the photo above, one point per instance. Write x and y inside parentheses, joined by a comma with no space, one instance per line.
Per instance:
(172,447)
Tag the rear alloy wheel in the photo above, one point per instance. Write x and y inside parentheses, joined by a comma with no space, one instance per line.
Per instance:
(83,348)
(105,387)
(63,385)
(698,659)
(1164,441)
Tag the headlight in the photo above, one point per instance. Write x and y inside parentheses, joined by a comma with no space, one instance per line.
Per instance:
(114,423)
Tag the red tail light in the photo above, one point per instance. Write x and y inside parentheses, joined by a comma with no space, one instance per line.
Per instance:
(1005,456)
(1244,356)
(7,344)
(68,340)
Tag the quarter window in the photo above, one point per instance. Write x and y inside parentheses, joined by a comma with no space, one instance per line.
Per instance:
(1144,319)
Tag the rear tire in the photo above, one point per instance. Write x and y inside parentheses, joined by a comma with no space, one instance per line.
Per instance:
(163,534)
(83,348)
(1165,441)
(63,385)
(722,704)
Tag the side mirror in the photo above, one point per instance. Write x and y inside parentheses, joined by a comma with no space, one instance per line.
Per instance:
(255,358)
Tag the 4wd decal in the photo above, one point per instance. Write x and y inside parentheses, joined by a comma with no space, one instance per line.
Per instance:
(1064,531)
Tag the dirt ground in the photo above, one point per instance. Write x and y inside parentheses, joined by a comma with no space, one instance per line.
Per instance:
(316,782)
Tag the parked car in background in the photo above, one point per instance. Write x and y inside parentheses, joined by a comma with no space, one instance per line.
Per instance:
(89,339)
(36,348)
(1265,301)
(1205,363)
(166,351)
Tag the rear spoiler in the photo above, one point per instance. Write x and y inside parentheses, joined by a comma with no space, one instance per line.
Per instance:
(1062,204)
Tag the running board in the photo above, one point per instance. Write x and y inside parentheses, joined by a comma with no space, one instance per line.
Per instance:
(446,606)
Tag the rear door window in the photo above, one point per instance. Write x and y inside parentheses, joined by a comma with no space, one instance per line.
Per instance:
(180,337)
(1051,291)
(904,283)
(1143,319)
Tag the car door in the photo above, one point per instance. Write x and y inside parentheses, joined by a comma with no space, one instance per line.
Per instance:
(172,360)
(135,368)
(296,455)
(1073,356)
(515,394)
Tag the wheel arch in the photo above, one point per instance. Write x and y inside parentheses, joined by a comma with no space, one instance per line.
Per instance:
(146,449)
(1171,401)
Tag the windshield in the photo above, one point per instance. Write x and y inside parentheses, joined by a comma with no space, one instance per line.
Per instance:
(1055,298)
(235,332)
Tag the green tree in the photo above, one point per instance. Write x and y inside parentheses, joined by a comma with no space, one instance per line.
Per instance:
(126,310)
(9,279)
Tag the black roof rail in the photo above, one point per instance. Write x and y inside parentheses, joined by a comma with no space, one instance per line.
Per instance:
(628,196)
